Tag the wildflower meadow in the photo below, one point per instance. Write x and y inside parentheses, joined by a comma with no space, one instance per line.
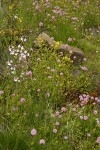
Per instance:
(49,75)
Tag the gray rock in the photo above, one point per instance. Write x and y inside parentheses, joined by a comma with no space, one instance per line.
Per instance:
(44,37)
(76,54)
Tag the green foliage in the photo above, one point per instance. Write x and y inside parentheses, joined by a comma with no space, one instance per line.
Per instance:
(39,88)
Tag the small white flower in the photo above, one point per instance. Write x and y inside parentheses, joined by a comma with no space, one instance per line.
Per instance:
(16,17)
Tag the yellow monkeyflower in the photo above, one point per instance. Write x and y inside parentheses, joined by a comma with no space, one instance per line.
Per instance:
(20,20)
(59,65)
(65,58)
(70,52)
(57,45)
(11,7)
(68,59)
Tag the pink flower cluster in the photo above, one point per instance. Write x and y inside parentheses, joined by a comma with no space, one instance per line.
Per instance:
(34,132)
(84,117)
(84,99)
(57,10)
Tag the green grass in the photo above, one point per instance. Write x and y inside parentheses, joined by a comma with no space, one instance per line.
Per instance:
(38,84)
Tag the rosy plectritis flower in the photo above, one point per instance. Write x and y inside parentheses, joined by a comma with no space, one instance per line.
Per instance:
(57,113)
(54,130)
(37,7)
(70,39)
(95,112)
(57,123)
(81,117)
(33,132)
(1,92)
(38,90)
(85,118)
(41,24)
(42,141)
(53,70)
(22,100)
(29,73)
(47,94)
(66,46)
(63,109)
(98,140)
(84,68)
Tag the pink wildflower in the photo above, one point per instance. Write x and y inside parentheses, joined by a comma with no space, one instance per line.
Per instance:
(54,130)
(42,141)
(29,73)
(63,109)
(84,68)
(57,113)
(22,100)
(98,140)
(81,117)
(60,116)
(38,90)
(85,117)
(74,19)
(1,92)
(92,97)
(95,112)
(70,39)
(48,94)
(84,95)
(33,132)
(57,123)
(41,24)
(53,70)
(37,7)
(74,57)
(66,46)
(49,77)
(81,97)
(53,17)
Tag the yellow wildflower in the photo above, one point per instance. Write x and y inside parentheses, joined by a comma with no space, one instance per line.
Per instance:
(70,52)
(56,45)
(11,7)
(20,20)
